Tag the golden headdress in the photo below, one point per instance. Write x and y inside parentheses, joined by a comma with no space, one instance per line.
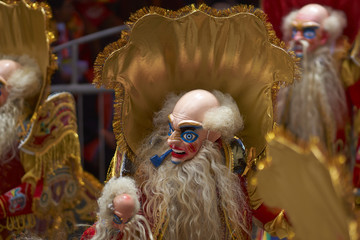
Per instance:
(234,51)
(25,27)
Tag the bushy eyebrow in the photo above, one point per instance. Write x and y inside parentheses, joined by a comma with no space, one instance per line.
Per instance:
(189,127)
(310,27)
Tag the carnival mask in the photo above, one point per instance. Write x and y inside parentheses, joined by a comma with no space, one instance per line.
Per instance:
(307,27)
(185,138)
(124,206)
(186,132)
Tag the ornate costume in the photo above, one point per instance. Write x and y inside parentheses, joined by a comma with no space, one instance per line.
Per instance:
(331,70)
(43,190)
(318,114)
(233,51)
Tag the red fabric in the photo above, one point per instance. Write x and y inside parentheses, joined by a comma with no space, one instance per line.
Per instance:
(353,92)
(90,150)
(277,9)
(356,176)
(17,201)
(89,233)
(94,12)
(266,214)
(250,214)
(11,174)
(356,171)
(39,188)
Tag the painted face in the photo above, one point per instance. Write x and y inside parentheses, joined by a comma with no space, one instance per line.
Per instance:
(307,26)
(124,207)
(186,133)
(310,34)
(185,138)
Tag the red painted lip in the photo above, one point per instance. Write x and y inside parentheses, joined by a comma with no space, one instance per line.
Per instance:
(172,146)
(177,155)
(298,47)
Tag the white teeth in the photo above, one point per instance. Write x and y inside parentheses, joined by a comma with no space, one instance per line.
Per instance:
(178,152)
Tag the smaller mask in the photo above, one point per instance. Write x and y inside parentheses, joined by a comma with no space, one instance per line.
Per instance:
(308,27)
(124,207)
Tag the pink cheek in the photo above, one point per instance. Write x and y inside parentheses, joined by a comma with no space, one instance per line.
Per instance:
(192,148)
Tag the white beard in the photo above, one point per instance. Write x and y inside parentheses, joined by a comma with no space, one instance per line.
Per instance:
(316,105)
(194,194)
(9,115)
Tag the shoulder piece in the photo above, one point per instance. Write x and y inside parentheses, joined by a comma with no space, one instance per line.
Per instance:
(239,155)
(235,155)
(56,119)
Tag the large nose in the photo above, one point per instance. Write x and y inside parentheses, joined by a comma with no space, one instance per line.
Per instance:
(298,35)
(174,138)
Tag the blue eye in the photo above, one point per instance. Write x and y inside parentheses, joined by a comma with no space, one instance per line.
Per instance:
(310,32)
(117,219)
(294,31)
(189,136)
(171,130)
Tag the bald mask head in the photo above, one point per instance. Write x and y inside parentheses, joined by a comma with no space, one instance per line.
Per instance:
(7,68)
(312,14)
(124,209)
(308,26)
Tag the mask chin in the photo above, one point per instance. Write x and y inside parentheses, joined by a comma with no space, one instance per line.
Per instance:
(299,47)
(175,162)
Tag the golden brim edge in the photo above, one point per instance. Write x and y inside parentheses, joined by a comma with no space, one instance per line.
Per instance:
(119,90)
(34,44)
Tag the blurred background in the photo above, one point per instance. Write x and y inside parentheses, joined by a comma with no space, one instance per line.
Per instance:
(83,29)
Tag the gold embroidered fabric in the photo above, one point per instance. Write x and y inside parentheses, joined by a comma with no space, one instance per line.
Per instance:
(50,156)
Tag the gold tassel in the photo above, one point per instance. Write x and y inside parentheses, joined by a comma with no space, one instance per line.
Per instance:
(65,152)
(19,223)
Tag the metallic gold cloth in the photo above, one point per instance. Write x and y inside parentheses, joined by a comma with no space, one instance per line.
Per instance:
(25,30)
(350,68)
(314,189)
(234,51)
